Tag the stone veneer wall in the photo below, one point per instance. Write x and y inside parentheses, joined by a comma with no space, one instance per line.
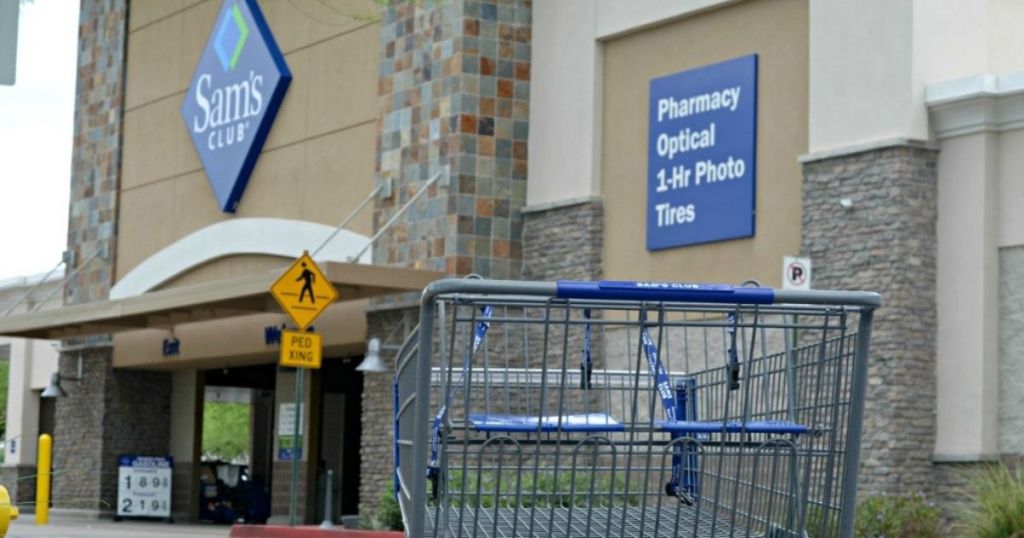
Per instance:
(96,158)
(454,94)
(454,91)
(564,242)
(376,455)
(108,412)
(1011,350)
(21,485)
(280,494)
(887,243)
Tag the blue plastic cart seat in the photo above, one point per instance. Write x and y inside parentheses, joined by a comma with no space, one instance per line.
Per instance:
(589,422)
(733,426)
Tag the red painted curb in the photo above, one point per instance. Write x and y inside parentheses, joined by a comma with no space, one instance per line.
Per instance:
(272,531)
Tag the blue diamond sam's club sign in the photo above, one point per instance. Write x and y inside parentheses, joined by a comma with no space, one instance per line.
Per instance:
(701,154)
(236,90)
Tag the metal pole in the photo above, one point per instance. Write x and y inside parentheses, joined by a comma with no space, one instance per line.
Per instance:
(397,214)
(33,288)
(296,451)
(853,438)
(347,219)
(328,522)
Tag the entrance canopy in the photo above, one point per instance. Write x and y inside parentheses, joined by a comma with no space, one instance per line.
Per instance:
(212,300)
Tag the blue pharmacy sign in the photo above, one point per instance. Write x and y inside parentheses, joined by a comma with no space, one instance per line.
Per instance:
(702,154)
(236,90)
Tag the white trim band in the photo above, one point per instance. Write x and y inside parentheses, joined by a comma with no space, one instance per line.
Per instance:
(978,104)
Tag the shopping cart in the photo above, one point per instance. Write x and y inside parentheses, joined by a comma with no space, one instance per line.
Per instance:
(639,409)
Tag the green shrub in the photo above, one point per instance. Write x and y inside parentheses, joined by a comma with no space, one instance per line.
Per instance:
(890,516)
(820,522)
(997,510)
(389,514)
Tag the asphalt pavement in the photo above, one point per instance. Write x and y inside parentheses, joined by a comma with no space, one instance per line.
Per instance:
(108,529)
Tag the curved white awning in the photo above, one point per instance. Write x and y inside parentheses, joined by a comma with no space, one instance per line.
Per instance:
(268,236)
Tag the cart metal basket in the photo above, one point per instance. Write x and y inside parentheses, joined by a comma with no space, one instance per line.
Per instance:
(599,409)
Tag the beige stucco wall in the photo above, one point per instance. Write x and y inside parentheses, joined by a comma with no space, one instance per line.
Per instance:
(871,60)
(238,341)
(777,31)
(317,164)
(237,265)
(565,87)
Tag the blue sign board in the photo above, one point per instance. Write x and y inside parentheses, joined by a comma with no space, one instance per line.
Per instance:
(702,154)
(235,93)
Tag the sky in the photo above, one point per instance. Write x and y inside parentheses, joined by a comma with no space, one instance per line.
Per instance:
(36,117)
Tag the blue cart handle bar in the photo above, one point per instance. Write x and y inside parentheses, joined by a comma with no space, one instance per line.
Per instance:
(664,291)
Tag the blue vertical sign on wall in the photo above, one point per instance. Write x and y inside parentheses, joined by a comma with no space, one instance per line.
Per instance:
(701,154)
(235,93)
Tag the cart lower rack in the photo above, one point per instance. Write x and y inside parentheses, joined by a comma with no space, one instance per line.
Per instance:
(598,409)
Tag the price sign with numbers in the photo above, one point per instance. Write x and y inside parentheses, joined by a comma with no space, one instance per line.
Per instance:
(144,486)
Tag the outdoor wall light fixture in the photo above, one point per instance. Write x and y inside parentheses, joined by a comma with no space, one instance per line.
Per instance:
(846,203)
(372,362)
(54,390)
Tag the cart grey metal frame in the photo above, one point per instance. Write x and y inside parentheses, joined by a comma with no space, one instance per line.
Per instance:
(417,373)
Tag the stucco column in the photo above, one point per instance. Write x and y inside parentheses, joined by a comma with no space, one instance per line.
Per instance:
(968,301)
(22,429)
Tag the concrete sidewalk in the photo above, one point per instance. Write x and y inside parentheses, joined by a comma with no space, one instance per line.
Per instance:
(108,529)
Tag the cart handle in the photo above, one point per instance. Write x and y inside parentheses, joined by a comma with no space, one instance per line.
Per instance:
(664,291)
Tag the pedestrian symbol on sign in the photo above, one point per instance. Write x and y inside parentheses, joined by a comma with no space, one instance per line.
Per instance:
(308,278)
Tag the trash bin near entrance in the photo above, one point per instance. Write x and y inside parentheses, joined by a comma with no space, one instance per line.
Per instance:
(630,409)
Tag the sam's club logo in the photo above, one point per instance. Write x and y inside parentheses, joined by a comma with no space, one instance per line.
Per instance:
(236,90)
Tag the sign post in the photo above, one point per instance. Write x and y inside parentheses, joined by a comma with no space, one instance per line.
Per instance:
(796,275)
(8,41)
(299,350)
(296,451)
(304,293)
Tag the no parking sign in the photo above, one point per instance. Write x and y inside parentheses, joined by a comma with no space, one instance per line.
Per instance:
(796,273)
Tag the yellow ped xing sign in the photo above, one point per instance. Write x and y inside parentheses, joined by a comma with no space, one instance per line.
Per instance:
(301,349)
(303,292)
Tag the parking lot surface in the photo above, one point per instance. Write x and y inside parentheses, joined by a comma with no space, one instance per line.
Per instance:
(107,529)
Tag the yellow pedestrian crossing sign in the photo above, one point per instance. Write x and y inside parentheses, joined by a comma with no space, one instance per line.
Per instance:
(301,349)
(303,291)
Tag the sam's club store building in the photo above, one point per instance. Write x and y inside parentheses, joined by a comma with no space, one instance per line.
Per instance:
(698,140)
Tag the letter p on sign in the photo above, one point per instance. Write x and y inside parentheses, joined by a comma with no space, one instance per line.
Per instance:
(796,273)
(301,349)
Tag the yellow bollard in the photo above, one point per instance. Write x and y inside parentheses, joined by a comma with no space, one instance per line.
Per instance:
(8,512)
(43,465)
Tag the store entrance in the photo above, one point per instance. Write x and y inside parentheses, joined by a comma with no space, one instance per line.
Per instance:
(237,445)
(340,429)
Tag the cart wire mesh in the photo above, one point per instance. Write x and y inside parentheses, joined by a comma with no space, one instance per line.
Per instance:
(598,409)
